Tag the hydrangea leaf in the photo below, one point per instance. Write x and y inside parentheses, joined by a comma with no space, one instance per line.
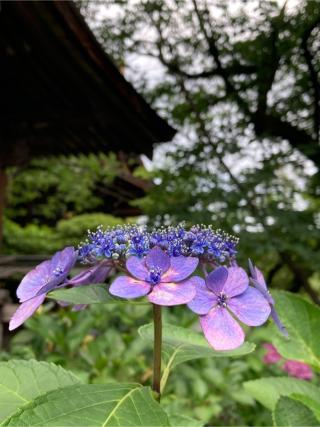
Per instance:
(22,381)
(302,320)
(189,344)
(309,402)
(90,294)
(290,412)
(93,405)
(267,391)
(184,421)
(181,344)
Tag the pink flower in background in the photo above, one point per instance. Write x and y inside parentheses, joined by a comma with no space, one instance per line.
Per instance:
(298,369)
(292,367)
(272,356)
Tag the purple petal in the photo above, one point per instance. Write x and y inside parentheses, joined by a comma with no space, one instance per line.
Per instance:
(174,293)
(278,322)
(63,303)
(128,287)
(252,269)
(137,267)
(216,279)
(25,310)
(257,275)
(236,283)
(59,268)
(260,277)
(95,274)
(221,330)
(62,263)
(250,307)
(204,300)
(181,267)
(264,291)
(34,281)
(158,259)
(79,307)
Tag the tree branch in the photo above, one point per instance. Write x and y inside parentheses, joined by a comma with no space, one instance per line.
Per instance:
(232,70)
(221,71)
(271,125)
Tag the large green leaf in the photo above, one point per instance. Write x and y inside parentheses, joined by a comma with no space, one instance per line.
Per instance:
(290,412)
(308,401)
(93,405)
(91,294)
(302,320)
(268,390)
(22,381)
(184,421)
(181,345)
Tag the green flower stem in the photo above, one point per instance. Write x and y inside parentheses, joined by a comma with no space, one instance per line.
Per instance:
(157,324)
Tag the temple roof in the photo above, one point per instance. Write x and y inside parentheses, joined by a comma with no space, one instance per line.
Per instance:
(61,93)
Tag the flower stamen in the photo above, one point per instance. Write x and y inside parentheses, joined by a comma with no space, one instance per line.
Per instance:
(154,276)
(222,300)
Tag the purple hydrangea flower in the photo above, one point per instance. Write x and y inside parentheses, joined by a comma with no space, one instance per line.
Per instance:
(122,241)
(226,291)
(259,283)
(163,278)
(41,280)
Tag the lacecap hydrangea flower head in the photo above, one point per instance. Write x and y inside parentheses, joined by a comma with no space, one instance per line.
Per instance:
(169,266)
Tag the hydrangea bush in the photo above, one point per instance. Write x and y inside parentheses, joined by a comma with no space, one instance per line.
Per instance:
(194,267)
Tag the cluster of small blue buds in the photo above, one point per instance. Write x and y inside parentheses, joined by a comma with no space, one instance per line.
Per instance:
(121,242)
(154,276)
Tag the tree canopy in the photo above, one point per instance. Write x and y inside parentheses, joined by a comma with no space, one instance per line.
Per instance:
(240,80)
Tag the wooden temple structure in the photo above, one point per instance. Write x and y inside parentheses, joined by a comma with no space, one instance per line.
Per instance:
(61,94)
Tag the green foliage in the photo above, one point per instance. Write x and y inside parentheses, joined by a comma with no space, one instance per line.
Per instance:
(188,344)
(31,239)
(101,345)
(303,322)
(53,202)
(35,239)
(301,404)
(93,294)
(93,405)
(268,390)
(183,421)
(182,345)
(77,227)
(289,412)
(51,189)
(39,393)
(293,402)
(21,382)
